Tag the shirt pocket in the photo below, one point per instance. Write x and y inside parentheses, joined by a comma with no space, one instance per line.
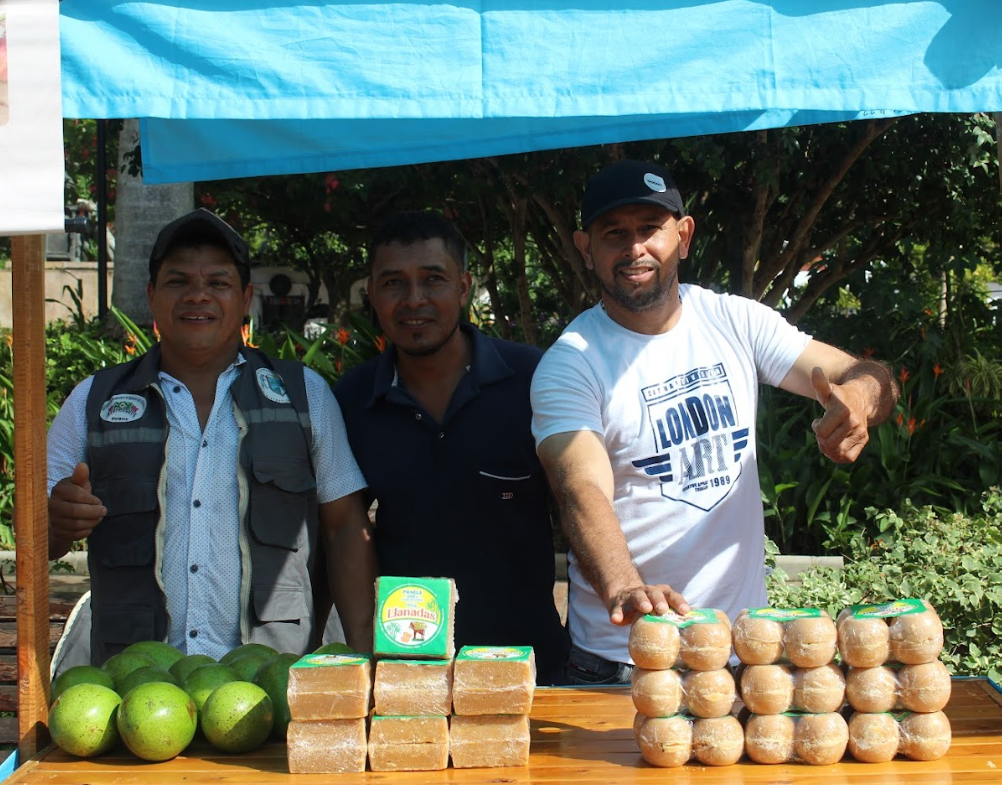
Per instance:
(279,504)
(511,484)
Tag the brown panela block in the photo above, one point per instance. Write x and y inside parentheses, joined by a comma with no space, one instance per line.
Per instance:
(330,687)
(489,740)
(408,743)
(413,687)
(326,747)
(494,680)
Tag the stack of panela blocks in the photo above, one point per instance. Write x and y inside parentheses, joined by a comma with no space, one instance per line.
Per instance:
(426,702)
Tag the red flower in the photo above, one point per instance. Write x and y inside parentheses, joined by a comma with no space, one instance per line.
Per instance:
(337,364)
(380,342)
(207,200)
(900,419)
(331,182)
(937,369)
(327,206)
(911,425)
(867,353)
(904,375)
(343,336)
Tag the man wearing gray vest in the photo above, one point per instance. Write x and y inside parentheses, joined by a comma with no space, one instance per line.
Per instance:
(203,473)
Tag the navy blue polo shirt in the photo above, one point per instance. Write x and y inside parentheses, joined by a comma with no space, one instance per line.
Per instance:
(465,498)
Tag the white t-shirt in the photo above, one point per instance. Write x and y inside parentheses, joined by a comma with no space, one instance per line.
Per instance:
(676,413)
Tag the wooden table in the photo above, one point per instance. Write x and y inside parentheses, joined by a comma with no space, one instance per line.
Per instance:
(578,736)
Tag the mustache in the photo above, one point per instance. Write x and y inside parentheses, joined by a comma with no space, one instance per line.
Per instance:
(626,263)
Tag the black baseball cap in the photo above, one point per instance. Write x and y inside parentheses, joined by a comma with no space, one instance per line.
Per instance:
(630,182)
(198,223)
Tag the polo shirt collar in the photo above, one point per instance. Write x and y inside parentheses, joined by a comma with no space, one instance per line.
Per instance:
(486,365)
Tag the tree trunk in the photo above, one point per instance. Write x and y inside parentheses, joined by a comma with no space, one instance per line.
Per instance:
(141,211)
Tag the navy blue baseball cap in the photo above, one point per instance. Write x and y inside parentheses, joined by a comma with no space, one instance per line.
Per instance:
(200,223)
(630,182)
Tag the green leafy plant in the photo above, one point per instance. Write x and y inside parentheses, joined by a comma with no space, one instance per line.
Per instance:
(952,560)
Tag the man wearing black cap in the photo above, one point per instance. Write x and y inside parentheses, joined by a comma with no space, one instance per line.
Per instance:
(202,473)
(644,418)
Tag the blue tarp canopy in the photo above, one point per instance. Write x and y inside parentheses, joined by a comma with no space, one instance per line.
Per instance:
(232,88)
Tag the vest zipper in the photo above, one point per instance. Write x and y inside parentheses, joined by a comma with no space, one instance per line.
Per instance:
(245,560)
(161,516)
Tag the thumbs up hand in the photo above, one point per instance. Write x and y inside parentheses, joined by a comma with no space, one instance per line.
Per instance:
(842,430)
(73,510)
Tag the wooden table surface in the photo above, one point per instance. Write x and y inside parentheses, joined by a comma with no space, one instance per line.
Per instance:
(578,736)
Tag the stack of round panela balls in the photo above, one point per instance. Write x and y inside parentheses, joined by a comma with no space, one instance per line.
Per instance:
(793,690)
(683,689)
(895,681)
(790,685)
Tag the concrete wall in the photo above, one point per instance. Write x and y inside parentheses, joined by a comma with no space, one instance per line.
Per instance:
(57,275)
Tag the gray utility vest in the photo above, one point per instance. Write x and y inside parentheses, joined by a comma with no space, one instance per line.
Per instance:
(126,455)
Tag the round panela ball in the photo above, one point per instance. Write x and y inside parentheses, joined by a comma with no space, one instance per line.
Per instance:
(863,643)
(769,738)
(925,736)
(821,739)
(666,741)
(709,693)
(757,641)
(925,688)
(653,644)
(810,641)
(916,638)
(657,693)
(818,690)
(706,647)
(767,689)
(871,689)
(638,721)
(873,738)
(718,741)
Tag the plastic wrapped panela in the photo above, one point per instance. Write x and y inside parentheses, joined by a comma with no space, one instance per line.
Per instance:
(408,743)
(330,687)
(333,746)
(700,640)
(414,618)
(907,631)
(493,680)
(489,740)
(413,687)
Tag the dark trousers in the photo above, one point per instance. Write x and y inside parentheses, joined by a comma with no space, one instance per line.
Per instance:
(584,669)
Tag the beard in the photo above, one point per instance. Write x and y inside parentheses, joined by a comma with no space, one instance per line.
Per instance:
(635,298)
(427,351)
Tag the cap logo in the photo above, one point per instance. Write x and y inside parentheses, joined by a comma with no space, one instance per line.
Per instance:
(272,386)
(655,183)
(123,408)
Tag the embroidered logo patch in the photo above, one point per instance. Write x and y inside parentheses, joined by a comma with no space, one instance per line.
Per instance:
(272,386)
(123,408)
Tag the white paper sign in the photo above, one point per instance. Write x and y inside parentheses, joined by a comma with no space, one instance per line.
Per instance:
(31,118)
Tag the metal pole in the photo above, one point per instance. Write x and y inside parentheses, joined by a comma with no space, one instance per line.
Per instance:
(102,220)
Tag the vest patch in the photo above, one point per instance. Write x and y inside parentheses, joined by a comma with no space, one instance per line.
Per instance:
(123,408)
(272,386)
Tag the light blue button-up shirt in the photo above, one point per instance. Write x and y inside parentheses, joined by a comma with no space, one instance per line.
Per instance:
(200,561)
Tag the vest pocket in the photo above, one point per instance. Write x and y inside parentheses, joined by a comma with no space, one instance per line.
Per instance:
(279,604)
(280,502)
(125,538)
(121,626)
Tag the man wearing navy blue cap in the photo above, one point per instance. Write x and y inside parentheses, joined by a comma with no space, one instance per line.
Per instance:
(203,473)
(644,418)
